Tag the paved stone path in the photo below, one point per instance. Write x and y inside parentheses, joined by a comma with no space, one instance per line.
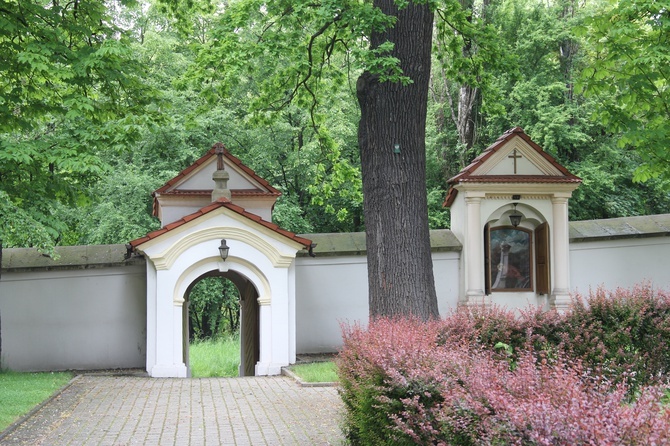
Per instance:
(122,411)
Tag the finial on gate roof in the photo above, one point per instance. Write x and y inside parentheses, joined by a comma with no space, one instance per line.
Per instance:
(219,149)
(220,176)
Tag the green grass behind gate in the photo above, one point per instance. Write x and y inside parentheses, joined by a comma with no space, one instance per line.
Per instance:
(215,358)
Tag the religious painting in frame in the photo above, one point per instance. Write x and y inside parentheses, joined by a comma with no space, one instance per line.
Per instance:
(510,259)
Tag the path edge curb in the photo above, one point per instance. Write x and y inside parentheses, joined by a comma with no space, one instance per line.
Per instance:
(15,425)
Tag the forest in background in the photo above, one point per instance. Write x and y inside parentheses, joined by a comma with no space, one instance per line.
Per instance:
(102,102)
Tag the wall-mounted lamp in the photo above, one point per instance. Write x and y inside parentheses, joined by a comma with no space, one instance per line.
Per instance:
(515,217)
(396,148)
(224,249)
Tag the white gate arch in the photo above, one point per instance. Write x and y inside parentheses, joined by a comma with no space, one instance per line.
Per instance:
(181,252)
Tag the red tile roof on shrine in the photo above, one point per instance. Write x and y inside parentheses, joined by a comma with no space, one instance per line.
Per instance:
(467,174)
(221,202)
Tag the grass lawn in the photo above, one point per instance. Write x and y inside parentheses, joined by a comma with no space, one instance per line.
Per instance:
(20,392)
(220,357)
(316,372)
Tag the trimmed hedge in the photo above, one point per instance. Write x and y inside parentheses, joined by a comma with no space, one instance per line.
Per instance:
(560,379)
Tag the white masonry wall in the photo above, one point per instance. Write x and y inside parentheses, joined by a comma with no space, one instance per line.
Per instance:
(620,263)
(79,319)
(332,290)
(95,318)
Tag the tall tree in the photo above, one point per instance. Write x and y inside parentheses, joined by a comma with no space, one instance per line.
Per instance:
(391,137)
(289,49)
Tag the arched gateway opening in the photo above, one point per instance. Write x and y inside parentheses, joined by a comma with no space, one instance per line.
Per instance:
(238,317)
(266,283)
(196,219)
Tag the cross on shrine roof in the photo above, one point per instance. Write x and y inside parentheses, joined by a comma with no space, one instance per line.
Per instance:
(530,164)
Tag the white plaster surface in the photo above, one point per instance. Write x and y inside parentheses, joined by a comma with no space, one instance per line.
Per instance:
(73,319)
(181,256)
(98,318)
(620,263)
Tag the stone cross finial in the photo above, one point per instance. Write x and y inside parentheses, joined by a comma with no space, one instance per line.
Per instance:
(219,148)
(220,176)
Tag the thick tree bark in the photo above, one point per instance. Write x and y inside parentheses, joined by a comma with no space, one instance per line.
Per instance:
(400,268)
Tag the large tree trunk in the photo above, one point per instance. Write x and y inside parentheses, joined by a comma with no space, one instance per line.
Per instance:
(400,268)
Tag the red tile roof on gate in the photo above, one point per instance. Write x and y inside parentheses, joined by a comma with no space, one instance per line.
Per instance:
(467,174)
(206,192)
(165,189)
(204,159)
(221,202)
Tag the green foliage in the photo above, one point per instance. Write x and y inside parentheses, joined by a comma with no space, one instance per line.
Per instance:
(60,59)
(70,89)
(123,212)
(536,90)
(23,391)
(608,189)
(288,48)
(469,49)
(104,103)
(366,422)
(287,70)
(214,309)
(629,43)
(19,228)
(288,215)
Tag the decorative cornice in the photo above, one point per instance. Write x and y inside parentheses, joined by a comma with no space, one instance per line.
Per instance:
(508,197)
(549,189)
(166,259)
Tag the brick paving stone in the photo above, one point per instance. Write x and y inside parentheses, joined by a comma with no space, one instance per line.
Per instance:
(128,410)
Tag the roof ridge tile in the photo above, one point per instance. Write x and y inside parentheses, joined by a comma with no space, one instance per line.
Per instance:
(221,202)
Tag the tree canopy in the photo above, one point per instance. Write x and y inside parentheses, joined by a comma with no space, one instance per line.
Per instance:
(100,103)
(70,89)
(629,72)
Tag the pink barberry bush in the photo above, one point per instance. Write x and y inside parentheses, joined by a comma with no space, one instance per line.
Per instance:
(404,381)
(379,367)
(623,334)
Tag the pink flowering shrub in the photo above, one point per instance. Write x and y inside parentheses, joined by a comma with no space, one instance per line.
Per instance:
(377,367)
(623,335)
(532,328)
(443,382)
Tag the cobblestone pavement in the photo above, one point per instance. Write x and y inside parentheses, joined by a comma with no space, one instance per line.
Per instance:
(123,410)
